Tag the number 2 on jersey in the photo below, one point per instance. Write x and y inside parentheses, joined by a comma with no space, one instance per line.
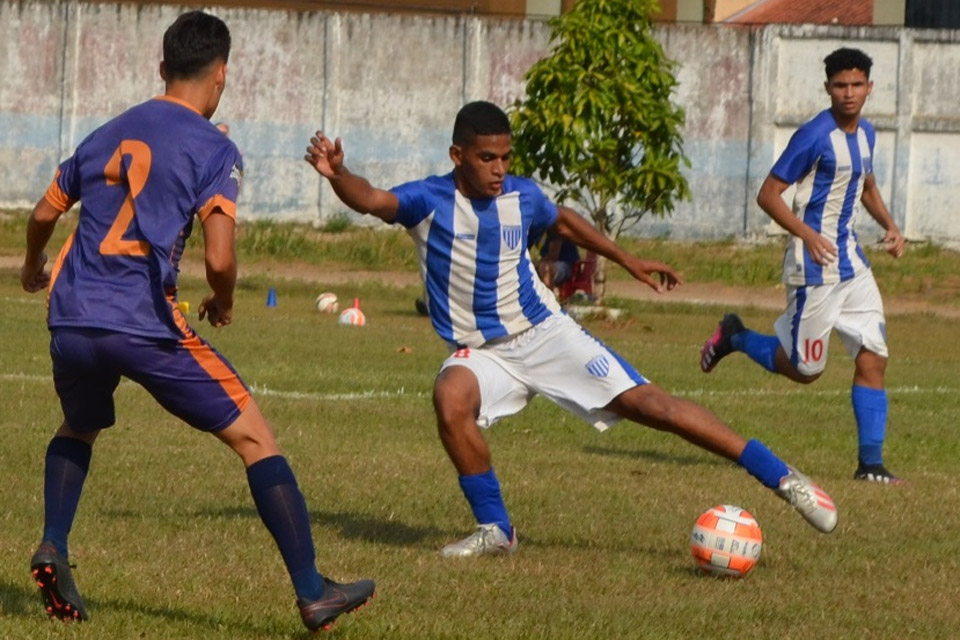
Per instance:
(140,157)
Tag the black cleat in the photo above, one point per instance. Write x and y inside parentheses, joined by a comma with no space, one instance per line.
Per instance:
(718,346)
(876,473)
(60,594)
(336,600)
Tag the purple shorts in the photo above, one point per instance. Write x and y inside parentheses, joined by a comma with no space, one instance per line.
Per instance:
(188,378)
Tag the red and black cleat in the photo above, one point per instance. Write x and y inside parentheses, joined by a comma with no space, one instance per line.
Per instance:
(336,600)
(60,595)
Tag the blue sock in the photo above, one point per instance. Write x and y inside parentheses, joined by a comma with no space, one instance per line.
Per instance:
(759,347)
(870,409)
(762,464)
(483,493)
(284,512)
(65,470)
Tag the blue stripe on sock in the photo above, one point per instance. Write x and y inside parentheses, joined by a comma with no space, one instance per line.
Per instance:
(482,491)
(762,464)
(870,410)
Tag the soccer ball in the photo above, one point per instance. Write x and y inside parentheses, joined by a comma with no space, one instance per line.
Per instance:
(327,302)
(726,541)
(353,316)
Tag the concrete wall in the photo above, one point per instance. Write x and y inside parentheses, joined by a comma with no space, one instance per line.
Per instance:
(390,86)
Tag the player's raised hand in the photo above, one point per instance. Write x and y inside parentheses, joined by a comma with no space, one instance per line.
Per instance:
(659,276)
(33,277)
(219,314)
(820,249)
(895,244)
(323,155)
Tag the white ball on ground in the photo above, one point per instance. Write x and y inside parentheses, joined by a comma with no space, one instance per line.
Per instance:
(327,302)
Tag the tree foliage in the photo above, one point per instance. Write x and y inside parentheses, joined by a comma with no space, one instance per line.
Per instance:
(597,122)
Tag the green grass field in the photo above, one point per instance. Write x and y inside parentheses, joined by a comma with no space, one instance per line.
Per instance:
(168,543)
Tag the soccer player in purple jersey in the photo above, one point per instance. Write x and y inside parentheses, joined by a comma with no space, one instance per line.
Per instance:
(829,281)
(508,338)
(142,178)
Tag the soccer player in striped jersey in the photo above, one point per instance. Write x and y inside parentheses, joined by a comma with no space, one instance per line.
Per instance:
(829,281)
(508,338)
(142,178)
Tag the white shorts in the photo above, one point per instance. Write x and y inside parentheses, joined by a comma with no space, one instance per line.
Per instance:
(854,308)
(557,359)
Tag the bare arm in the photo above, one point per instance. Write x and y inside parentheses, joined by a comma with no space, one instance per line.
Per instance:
(578,230)
(221,263)
(40,227)
(771,201)
(873,203)
(326,158)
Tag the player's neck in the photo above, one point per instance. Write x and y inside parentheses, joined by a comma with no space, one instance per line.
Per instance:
(846,123)
(194,94)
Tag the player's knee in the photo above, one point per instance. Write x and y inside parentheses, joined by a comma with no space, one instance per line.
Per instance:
(806,374)
(250,436)
(648,405)
(455,398)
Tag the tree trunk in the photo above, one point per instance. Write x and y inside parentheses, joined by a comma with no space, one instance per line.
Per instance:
(600,272)
(600,281)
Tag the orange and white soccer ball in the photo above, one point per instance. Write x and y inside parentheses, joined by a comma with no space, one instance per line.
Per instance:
(353,316)
(726,541)
(327,302)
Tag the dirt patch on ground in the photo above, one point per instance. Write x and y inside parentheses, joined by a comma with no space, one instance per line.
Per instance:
(706,293)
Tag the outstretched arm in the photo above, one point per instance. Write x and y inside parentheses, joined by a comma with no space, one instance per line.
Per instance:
(771,201)
(33,276)
(873,203)
(578,230)
(326,158)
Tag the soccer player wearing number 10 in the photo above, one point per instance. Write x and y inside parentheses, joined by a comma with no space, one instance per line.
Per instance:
(142,178)
(829,281)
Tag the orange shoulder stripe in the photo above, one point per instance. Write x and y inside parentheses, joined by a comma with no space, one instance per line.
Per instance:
(225,205)
(56,196)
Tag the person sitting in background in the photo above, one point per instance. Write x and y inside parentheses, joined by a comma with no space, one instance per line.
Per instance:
(557,257)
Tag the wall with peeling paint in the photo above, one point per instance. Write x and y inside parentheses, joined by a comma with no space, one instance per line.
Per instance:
(391,85)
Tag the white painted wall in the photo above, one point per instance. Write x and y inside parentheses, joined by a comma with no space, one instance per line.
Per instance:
(391,85)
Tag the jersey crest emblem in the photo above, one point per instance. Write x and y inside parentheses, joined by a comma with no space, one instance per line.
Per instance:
(511,235)
(599,366)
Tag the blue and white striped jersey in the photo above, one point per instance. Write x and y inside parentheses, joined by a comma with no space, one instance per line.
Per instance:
(829,167)
(480,280)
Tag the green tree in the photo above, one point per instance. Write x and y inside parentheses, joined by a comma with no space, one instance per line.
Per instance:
(596,121)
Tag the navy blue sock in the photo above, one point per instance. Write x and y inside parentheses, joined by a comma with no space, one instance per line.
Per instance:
(870,409)
(65,470)
(759,347)
(483,493)
(284,512)
(762,464)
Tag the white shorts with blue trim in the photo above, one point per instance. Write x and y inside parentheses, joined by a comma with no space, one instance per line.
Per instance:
(557,359)
(854,308)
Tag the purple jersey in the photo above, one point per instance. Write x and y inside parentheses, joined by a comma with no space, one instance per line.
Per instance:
(140,179)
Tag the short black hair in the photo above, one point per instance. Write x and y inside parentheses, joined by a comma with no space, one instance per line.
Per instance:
(844,59)
(192,42)
(479,118)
